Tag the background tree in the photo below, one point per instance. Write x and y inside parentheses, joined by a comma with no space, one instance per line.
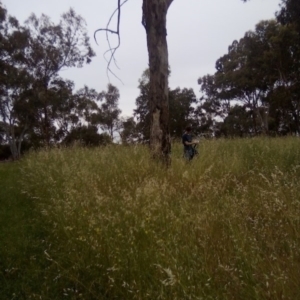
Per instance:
(52,48)
(109,111)
(14,97)
(59,97)
(182,103)
(288,16)
(87,136)
(128,131)
(237,123)
(255,69)
(205,115)
(14,79)
(80,108)
(182,108)
(142,111)
(289,13)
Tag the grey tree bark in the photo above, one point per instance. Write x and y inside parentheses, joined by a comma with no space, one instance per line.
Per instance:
(154,21)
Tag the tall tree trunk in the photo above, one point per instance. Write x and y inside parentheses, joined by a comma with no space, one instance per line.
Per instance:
(154,21)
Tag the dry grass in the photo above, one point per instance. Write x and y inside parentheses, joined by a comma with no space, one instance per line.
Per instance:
(225,226)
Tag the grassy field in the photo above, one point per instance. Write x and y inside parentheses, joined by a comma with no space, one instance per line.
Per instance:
(22,230)
(109,223)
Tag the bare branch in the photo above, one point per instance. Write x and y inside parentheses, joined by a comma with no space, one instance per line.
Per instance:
(112,50)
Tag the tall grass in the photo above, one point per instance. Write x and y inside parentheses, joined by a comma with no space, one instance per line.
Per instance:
(225,226)
(22,231)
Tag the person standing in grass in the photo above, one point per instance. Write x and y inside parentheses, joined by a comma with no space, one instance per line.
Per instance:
(188,144)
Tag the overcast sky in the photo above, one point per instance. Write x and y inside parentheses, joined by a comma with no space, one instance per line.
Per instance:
(199,32)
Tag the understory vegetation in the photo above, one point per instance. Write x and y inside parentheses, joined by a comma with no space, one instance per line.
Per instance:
(109,223)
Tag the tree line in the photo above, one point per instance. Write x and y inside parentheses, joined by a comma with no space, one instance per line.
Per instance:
(38,107)
(255,89)
(256,86)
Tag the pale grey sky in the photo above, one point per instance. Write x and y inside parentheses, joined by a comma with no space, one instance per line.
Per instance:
(199,32)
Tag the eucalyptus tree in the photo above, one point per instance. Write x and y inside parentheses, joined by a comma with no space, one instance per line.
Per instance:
(240,73)
(254,68)
(80,110)
(54,47)
(142,111)
(109,112)
(288,16)
(182,103)
(14,79)
(154,17)
(289,13)
(154,20)
(59,99)
(128,131)
(87,135)
(12,97)
(209,109)
(237,123)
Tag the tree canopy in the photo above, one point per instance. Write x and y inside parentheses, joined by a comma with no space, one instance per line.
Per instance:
(260,73)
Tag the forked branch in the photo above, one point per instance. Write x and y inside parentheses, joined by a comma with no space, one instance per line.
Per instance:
(112,50)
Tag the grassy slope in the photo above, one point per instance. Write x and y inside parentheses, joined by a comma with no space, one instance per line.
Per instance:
(22,260)
(225,226)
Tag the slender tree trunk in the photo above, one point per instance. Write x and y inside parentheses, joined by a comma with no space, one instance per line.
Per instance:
(13,144)
(46,126)
(297,123)
(8,127)
(261,119)
(45,123)
(111,132)
(20,140)
(154,21)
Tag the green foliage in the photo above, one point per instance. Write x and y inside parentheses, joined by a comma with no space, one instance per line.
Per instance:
(182,104)
(225,226)
(129,132)
(289,13)
(14,79)
(142,111)
(35,104)
(53,47)
(57,46)
(109,111)
(237,123)
(87,136)
(260,73)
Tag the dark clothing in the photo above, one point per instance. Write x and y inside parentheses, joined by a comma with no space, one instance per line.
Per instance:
(189,150)
(187,138)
